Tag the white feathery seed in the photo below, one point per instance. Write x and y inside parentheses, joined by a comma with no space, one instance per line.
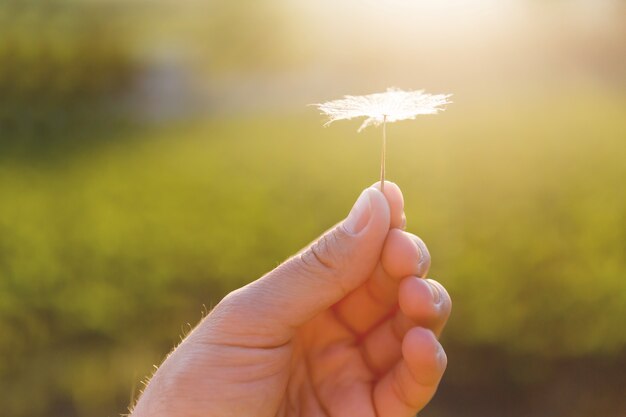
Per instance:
(390,106)
(382,108)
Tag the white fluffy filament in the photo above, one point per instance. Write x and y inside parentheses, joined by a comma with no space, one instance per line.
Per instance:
(392,106)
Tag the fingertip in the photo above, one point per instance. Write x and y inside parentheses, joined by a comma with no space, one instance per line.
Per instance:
(442,359)
(442,298)
(423,263)
(426,302)
(419,340)
(394,196)
(423,297)
(405,254)
(424,355)
(381,210)
(416,298)
(370,213)
(408,387)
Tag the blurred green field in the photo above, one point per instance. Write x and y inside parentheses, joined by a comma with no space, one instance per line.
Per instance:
(109,252)
(156,155)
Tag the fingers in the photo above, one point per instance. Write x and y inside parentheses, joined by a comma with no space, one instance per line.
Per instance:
(423,303)
(319,276)
(403,254)
(382,348)
(394,197)
(410,385)
(426,302)
(370,303)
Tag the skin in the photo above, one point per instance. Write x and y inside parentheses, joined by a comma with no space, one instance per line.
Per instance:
(347,327)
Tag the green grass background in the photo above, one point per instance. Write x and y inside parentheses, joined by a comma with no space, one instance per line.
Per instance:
(108,251)
(118,233)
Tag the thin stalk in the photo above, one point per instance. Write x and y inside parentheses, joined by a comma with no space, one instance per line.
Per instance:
(382,155)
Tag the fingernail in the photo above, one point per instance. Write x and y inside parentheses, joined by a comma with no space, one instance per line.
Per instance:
(435,292)
(423,262)
(359,215)
(442,358)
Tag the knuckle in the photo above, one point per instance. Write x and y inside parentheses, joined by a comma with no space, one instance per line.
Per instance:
(325,253)
(230,306)
(322,251)
(325,258)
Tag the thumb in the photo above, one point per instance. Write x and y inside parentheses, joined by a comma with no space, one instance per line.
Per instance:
(319,275)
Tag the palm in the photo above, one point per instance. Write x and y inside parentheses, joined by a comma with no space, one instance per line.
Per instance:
(331,376)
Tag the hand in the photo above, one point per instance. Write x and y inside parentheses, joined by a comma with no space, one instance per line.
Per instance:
(347,327)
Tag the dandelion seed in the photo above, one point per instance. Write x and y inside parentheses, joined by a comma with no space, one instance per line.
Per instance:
(382,108)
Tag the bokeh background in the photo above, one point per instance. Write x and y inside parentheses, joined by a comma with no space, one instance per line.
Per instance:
(155,155)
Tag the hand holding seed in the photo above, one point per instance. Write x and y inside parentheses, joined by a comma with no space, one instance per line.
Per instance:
(347,327)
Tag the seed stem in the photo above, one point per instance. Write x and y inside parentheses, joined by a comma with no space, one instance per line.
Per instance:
(382,155)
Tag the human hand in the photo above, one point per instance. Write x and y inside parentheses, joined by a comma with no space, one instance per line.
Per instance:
(347,327)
